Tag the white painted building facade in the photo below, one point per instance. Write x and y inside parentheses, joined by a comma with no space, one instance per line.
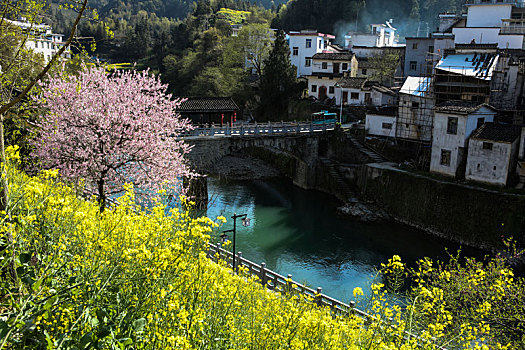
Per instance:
(493,154)
(380,35)
(303,46)
(381,122)
(491,22)
(453,125)
(41,39)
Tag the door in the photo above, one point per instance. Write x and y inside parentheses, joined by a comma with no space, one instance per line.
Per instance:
(345,97)
(322,92)
(336,68)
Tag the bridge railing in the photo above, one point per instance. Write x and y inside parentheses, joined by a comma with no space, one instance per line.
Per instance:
(259,129)
(276,282)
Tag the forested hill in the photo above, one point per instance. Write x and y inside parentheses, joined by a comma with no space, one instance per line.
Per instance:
(339,16)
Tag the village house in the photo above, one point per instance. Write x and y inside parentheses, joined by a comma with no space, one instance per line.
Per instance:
(327,69)
(381,121)
(493,154)
(380,35)
(41,39)
(423,53)
(303,46)
(208,110)
(500,22)
(454,122)
(415,112)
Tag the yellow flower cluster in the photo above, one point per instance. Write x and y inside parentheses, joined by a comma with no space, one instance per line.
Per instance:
(126,278)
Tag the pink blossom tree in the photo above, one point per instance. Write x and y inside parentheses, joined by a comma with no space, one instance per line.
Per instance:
(110,129)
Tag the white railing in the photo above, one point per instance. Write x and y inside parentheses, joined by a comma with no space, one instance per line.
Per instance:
(276,282)
(260,129)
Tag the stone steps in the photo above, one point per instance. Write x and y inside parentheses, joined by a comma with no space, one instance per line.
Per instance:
(346,193)
(362,148)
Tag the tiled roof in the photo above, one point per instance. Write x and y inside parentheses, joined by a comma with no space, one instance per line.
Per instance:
(461,107)
(497,132)
(383,89)
(352,82)
(340,56)
(208,104)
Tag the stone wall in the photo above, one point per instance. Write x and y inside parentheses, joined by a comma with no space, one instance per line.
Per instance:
(469,215)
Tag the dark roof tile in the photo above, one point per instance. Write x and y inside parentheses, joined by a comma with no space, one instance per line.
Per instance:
(461,107)
(352,82)
(336,56)
(497,132)
(208,104)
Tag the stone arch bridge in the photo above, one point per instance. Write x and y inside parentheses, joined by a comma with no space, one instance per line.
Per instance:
(292,148)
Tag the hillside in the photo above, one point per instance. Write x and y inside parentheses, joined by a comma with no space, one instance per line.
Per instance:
(339,16)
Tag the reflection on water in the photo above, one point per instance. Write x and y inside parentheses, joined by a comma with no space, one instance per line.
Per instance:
(298,232)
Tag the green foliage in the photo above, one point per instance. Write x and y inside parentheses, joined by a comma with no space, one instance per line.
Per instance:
(278,81)
(384,67)
(339,16)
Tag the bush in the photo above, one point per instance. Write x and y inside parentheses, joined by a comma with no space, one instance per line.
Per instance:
(73,277)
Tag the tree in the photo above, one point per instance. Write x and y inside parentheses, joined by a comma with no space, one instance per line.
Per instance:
(14,90)
(256,42)
(278,81)
(384,66)
(110,129)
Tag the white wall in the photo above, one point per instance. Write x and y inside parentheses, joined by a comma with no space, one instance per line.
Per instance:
(323,82)
(441,140)
(489,166)
(299,41)
(488,15)
(487,36)
(374,125)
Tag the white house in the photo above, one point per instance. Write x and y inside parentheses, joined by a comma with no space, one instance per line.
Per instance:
(493,154)
(41,39)
(493,22)
(303,46)
(381,121)
(415,113)
(380,35)
(454,122)
(327,70)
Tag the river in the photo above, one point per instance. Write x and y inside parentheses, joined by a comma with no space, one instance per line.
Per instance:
(298,232)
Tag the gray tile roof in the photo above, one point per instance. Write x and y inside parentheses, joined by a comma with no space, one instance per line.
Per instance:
(208,104)
(336,56)
(461,107)
(497,132)
(352,82)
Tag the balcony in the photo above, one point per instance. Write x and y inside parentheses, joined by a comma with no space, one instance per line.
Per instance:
(512,26)
(516,3)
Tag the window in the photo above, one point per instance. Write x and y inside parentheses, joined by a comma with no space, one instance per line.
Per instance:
(415,104)
(308,43)
(354,95)
(413,65)
(431,49)
(414,46)
(331,90)
(320,44)
(487,145)
(324,65)
(445,157)
(308,62)
(480,122)
(295,51)
(387,126)
(314,88)
(452,125)
(345,66)
(363,71)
